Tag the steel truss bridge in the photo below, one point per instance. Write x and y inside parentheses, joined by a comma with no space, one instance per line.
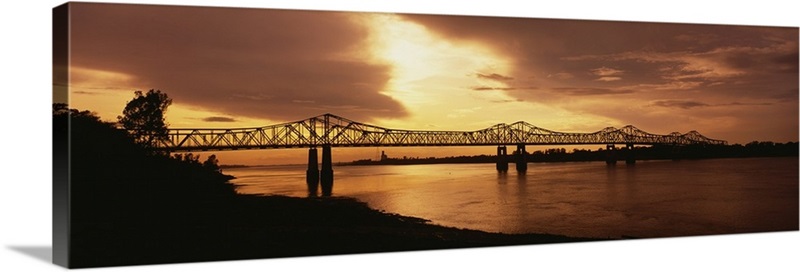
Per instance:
(334,131)
(328,130)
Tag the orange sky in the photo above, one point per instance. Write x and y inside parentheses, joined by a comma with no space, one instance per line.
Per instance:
(228,67)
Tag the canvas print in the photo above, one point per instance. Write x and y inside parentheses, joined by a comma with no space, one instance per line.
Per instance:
(186,134)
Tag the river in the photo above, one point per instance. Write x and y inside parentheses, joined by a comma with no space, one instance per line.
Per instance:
(585,199)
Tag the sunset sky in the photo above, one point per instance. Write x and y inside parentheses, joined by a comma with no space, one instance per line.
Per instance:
(229,68)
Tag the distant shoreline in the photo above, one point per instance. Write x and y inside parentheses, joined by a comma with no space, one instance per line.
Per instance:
(752,150)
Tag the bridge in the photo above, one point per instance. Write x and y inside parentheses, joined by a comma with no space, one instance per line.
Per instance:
(328,130)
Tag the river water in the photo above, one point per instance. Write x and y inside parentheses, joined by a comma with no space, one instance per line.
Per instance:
(586,199)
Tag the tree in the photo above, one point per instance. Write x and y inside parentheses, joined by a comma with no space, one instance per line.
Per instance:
(188,158)
(144,117)
(212,163)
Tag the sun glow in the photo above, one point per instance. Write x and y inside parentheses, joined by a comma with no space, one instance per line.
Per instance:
(449,84)
(432,77)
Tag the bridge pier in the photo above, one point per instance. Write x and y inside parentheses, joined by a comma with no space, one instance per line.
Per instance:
(502,160)
(611,155)
(312,173)
(630,154)
(326,174)
(522,158)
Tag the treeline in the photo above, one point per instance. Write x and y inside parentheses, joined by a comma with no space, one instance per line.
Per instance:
(665,152)
(658,152)
(114,180)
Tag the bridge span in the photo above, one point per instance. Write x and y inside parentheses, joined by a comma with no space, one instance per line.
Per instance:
(328,130)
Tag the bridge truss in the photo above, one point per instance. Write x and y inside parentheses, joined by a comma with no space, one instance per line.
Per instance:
(335,131)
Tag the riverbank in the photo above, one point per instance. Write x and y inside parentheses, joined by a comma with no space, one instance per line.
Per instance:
(247,227)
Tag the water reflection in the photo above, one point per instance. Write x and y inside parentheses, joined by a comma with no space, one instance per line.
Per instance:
(502,177)
(652,199)
(522,177)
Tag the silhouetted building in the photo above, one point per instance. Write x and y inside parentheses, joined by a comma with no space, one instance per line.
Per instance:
(383,156)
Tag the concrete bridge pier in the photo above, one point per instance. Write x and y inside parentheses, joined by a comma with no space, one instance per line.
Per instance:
(611,155)
(630,154)
(312,173)
(326,174)
(522,158)
(502,160)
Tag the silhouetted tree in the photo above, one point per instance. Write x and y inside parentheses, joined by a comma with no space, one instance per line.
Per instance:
(212,163)
(61,110)
(144,117)
(188,158)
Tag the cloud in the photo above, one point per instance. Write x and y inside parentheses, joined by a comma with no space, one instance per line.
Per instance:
(790,95)
(683,104)
(561,75)
(672,86)
(608,79)
(697,38)
(605,71)
(703,66)
(494,76)
(591,91)
(219,119)
(746,104)
(258,63)
(486,88)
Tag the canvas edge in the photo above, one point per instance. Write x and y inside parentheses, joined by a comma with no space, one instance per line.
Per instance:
(61,197)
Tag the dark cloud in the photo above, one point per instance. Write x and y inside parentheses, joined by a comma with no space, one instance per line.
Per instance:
(494,76)
(697,38)
(790,95)
(683,104)
(219,119)
(562,51)
(242,62)
(786,63)
(561,75)
(746,104)
(679,104)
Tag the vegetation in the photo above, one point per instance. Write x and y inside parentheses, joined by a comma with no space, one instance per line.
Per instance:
(114,176)
(144,115)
